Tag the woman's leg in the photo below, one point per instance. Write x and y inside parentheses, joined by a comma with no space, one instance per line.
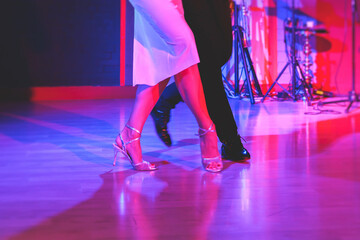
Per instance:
(191,90)
(146,98)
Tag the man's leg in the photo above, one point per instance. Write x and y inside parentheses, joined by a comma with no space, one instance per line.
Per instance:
(221,113)
(161,112)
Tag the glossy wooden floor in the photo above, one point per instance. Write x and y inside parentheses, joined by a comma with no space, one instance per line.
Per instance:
(57,180)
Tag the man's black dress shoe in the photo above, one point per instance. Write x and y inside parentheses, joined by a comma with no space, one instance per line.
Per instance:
(234,150)
(161,119)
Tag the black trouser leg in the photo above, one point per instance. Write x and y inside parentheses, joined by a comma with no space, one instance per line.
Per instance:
(169,98)
(217,103)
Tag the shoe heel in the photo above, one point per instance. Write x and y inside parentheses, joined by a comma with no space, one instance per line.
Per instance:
(116,151)
(141,166)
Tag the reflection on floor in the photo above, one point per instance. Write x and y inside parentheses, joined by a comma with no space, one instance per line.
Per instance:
(57,180)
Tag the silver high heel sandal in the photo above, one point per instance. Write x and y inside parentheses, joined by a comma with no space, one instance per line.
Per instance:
(213,164)
(141,166)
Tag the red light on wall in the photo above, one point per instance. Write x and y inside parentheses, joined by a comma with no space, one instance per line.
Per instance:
(122,41)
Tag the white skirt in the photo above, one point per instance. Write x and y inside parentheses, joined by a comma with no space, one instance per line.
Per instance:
(164,45)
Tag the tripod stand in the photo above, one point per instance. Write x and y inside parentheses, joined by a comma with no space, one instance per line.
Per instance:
(295,70)
(239,44)
(353,96)
(246,87)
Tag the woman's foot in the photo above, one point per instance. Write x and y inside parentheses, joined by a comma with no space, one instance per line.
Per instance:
(128,142)
(211,158)
(132,148)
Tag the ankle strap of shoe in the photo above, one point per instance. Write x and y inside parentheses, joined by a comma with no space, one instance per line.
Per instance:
(134,129)
(205,131)
(132,140)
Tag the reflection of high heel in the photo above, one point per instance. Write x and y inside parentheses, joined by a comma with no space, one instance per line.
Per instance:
(213,164)
(141,166)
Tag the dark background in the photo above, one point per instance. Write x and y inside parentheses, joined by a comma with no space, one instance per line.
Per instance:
(60,43)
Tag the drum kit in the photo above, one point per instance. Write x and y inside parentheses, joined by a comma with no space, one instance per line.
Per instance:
(300,86)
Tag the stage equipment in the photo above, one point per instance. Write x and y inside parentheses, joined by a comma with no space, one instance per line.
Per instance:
(240,44)
(353,96)
(299,88)
(308,31)
(307,60)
